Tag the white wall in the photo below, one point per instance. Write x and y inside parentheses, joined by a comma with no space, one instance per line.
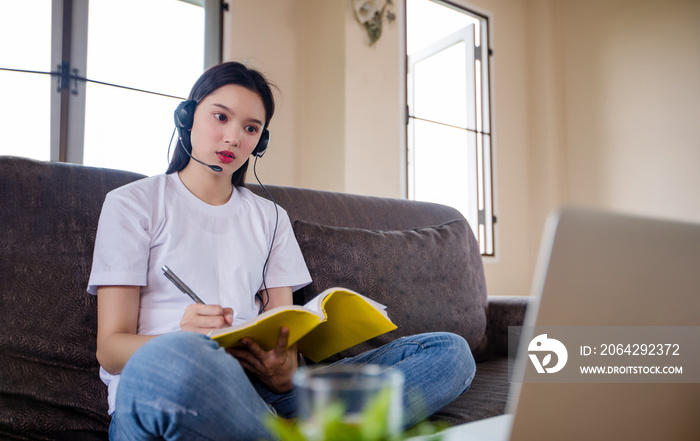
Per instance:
(632,88)
(594,103)
(374,108)
(614,103)
(322,117)
(339,123)
(267,35)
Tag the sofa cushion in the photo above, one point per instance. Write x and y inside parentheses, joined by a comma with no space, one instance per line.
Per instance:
(487,396)
(431,279)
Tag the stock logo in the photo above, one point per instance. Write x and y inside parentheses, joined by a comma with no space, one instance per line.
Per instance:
(541,344)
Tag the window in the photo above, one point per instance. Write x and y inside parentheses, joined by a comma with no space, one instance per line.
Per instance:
(96,82)
(449,138)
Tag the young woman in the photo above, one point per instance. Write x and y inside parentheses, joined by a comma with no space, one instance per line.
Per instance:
(237,251)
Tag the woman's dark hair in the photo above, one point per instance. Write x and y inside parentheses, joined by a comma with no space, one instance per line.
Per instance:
(214,78)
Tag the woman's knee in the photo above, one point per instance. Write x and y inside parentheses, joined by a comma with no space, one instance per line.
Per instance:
(463,362)
(459,347)
(443,342)
(452,353)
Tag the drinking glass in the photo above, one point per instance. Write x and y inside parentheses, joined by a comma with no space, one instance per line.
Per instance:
(336,401)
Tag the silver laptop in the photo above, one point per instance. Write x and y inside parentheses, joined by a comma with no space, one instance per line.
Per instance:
(603,269)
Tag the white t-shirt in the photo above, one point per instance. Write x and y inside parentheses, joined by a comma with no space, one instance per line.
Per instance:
(218,251)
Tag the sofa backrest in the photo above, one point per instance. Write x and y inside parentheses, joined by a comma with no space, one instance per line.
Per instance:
(355,211)
(48,371)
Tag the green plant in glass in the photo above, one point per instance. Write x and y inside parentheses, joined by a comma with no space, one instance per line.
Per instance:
(330,424)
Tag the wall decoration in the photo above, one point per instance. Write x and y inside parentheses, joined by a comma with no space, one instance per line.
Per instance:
(371,14)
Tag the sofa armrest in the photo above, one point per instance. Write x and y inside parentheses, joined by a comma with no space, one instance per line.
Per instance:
(504,311)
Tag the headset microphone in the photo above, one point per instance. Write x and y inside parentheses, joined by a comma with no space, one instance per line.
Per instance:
(216,168)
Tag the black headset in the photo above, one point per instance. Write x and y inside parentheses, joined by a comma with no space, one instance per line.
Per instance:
(184,118)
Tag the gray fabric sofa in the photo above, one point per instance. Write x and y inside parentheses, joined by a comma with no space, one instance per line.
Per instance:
(419,259)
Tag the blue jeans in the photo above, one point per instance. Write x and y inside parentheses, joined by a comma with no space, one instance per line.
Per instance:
(182,386)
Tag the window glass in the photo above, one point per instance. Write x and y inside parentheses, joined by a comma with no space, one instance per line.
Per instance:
(127,130)
(429,22)
(156,45)
(162,52)
(444,101)
(441,155)
(25,33)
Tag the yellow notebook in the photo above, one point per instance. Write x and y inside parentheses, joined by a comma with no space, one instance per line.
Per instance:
(334,320)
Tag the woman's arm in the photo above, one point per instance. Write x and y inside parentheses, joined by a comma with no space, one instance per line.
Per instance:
(278,297)
(117,324)
(117,320)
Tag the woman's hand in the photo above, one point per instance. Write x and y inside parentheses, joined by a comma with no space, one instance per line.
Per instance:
(204,318)
(275,368)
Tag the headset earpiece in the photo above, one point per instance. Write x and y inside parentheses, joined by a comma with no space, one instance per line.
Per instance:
(184,115)
(263,143)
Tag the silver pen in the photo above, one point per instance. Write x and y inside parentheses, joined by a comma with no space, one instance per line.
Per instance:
(180,284)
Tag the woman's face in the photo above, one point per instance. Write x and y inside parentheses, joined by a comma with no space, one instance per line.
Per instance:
(227,126)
